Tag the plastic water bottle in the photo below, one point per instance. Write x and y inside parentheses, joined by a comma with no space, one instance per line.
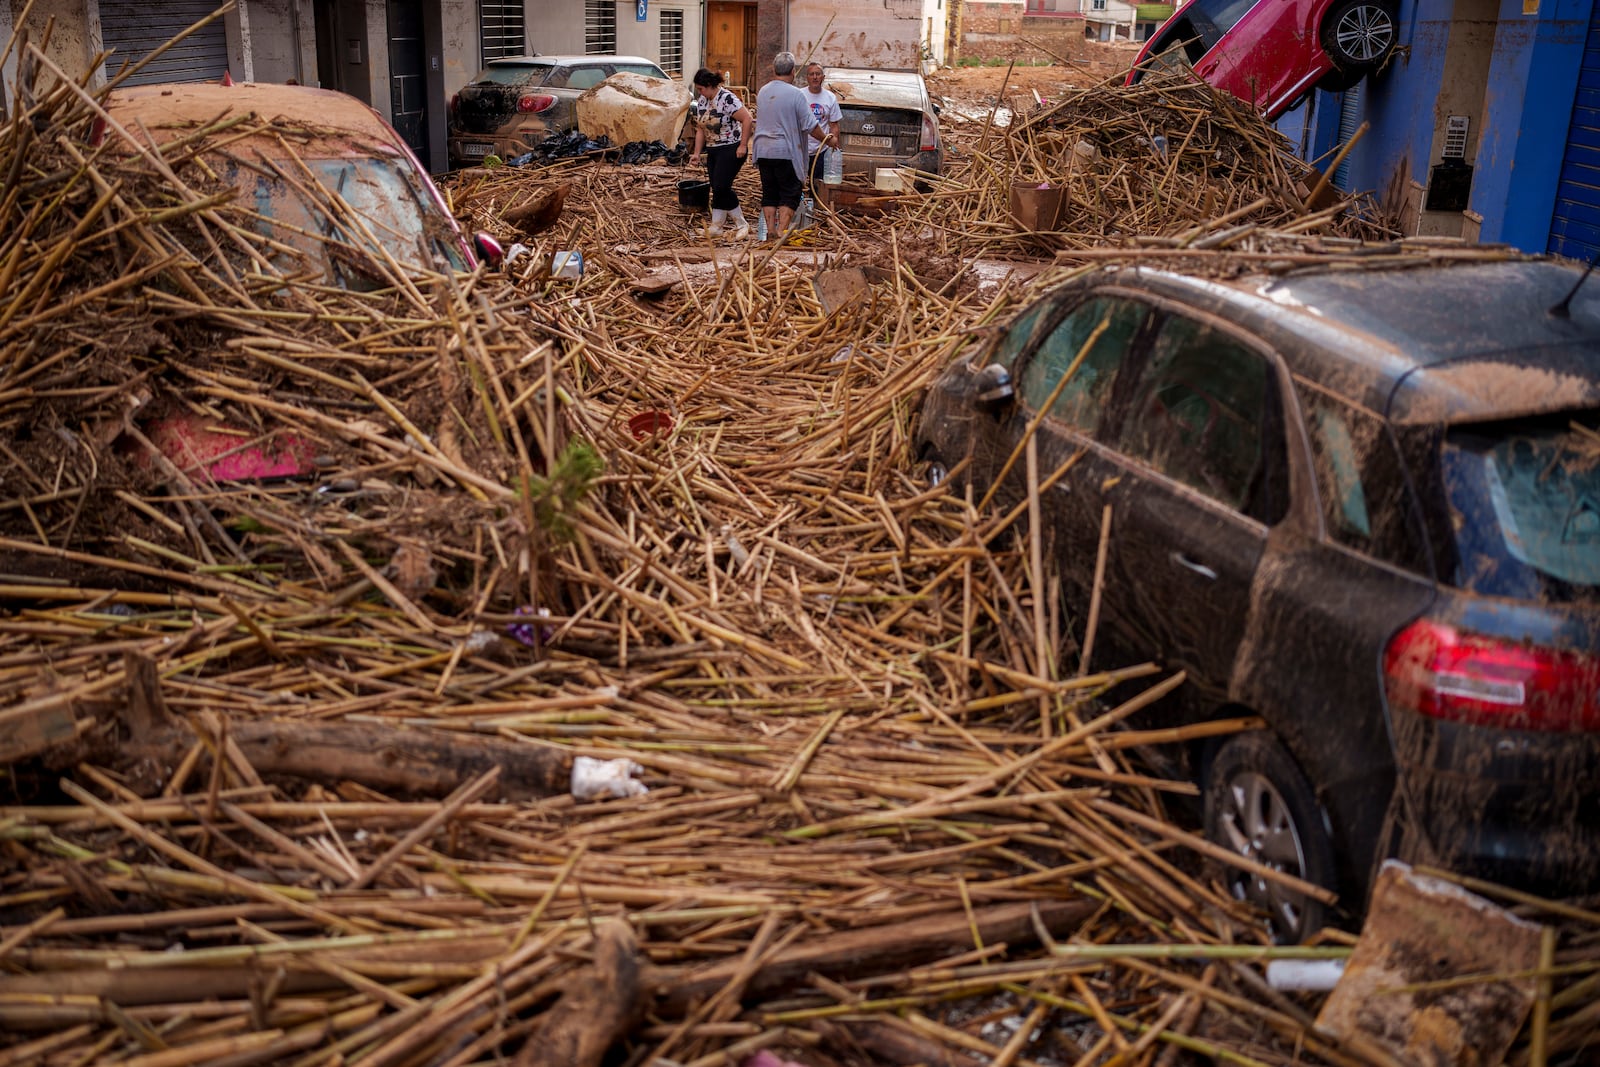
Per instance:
(832,166)
(761,227)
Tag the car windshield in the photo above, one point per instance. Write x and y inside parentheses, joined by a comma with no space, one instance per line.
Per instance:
(1527,493)
(1223,14)
(368,204)
(515,74)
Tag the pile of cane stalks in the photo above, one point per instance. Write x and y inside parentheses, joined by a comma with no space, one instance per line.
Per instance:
(294,782)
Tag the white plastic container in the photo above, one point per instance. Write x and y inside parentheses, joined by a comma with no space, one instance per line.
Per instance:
(567,263)
(890,180)
(832,166)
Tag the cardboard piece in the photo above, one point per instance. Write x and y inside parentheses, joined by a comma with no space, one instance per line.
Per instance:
(1035,208)
(839,288)
(1423,930)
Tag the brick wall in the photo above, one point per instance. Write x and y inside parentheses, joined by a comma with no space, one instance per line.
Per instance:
(1000,31)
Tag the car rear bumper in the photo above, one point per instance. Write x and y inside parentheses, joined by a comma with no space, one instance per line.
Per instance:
(858,162)
(1517,807)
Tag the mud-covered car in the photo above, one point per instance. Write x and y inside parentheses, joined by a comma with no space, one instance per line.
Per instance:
(331,189)
(516,102)
(1270,53)
(1361,504)
(887,120)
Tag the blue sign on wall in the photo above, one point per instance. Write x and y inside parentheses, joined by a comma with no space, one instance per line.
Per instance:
(641,10)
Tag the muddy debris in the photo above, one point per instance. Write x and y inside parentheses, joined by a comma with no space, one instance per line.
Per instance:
(872,795)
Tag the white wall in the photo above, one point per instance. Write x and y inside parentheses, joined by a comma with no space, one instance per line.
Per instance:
(461,52)
(884,34)
(555,27)
(283,40)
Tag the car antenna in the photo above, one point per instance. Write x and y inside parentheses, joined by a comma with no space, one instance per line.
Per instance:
(1563,310)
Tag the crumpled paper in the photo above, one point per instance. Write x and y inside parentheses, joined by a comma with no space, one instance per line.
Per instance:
(592,778)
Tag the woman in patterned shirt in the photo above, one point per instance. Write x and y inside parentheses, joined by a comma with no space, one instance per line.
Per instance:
(722,125)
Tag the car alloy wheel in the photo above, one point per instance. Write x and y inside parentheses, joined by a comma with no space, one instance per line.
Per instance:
(1359,34)
(1260,806)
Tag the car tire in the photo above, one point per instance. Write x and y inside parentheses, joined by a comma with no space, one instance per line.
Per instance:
(1258,804)
(1358,35)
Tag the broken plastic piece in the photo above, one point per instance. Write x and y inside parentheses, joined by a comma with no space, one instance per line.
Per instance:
(593,778)
(1312,976)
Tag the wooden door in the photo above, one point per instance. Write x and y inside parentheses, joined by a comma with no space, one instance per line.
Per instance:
(726,34)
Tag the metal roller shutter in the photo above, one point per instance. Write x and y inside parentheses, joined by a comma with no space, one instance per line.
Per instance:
(1575,224)
(136,29)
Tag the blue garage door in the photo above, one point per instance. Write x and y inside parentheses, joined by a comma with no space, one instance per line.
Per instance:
(135,28)
(1575,227)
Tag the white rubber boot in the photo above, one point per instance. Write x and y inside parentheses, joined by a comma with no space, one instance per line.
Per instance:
(718,215)
(743,228)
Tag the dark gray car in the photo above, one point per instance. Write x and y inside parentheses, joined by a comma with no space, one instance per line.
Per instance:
(1362,504)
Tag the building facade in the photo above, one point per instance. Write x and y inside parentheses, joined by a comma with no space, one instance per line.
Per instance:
(1484,125)
(404,57)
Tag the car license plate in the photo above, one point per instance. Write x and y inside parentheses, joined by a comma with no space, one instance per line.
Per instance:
(476,149)
(861,140)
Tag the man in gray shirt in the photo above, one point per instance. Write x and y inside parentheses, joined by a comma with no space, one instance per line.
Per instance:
(783,122)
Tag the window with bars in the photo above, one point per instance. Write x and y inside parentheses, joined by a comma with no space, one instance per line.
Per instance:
(501,29)
(672,42)
(600,27)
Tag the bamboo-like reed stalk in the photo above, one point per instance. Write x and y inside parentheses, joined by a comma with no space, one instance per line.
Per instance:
(832,673)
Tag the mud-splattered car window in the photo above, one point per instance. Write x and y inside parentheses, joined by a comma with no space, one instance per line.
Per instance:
(514,74)
(338,211)
(1528,494)
(1012,343)
(1365,503)
(1198,414)
(1111,324)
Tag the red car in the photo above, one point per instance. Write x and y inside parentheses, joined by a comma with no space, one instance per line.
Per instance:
(1270,53)
(396,214)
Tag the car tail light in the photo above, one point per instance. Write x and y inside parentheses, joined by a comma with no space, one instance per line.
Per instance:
(930,133)
(535,103)
(1446,673)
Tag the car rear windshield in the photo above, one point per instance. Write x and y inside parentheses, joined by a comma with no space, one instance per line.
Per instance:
(1526,496)
(515,74)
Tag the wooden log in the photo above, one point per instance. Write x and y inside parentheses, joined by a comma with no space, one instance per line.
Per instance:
(151,984)
(599,1005)
(380,756)
(888,1044)
(872,951)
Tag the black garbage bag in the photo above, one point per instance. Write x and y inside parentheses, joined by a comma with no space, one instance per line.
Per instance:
(637,152)
(563,145)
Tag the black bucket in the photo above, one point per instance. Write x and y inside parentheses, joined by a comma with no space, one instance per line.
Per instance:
(694,194)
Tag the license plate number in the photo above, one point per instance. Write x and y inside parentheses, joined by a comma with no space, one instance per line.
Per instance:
(862,140)
(476,149)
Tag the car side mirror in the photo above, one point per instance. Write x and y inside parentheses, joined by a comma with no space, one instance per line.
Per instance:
(489,250)
(994,388)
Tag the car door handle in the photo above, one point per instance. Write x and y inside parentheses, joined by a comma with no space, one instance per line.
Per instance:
(1199,568)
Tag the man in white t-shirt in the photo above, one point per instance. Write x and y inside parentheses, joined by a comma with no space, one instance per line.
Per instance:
(825,106)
